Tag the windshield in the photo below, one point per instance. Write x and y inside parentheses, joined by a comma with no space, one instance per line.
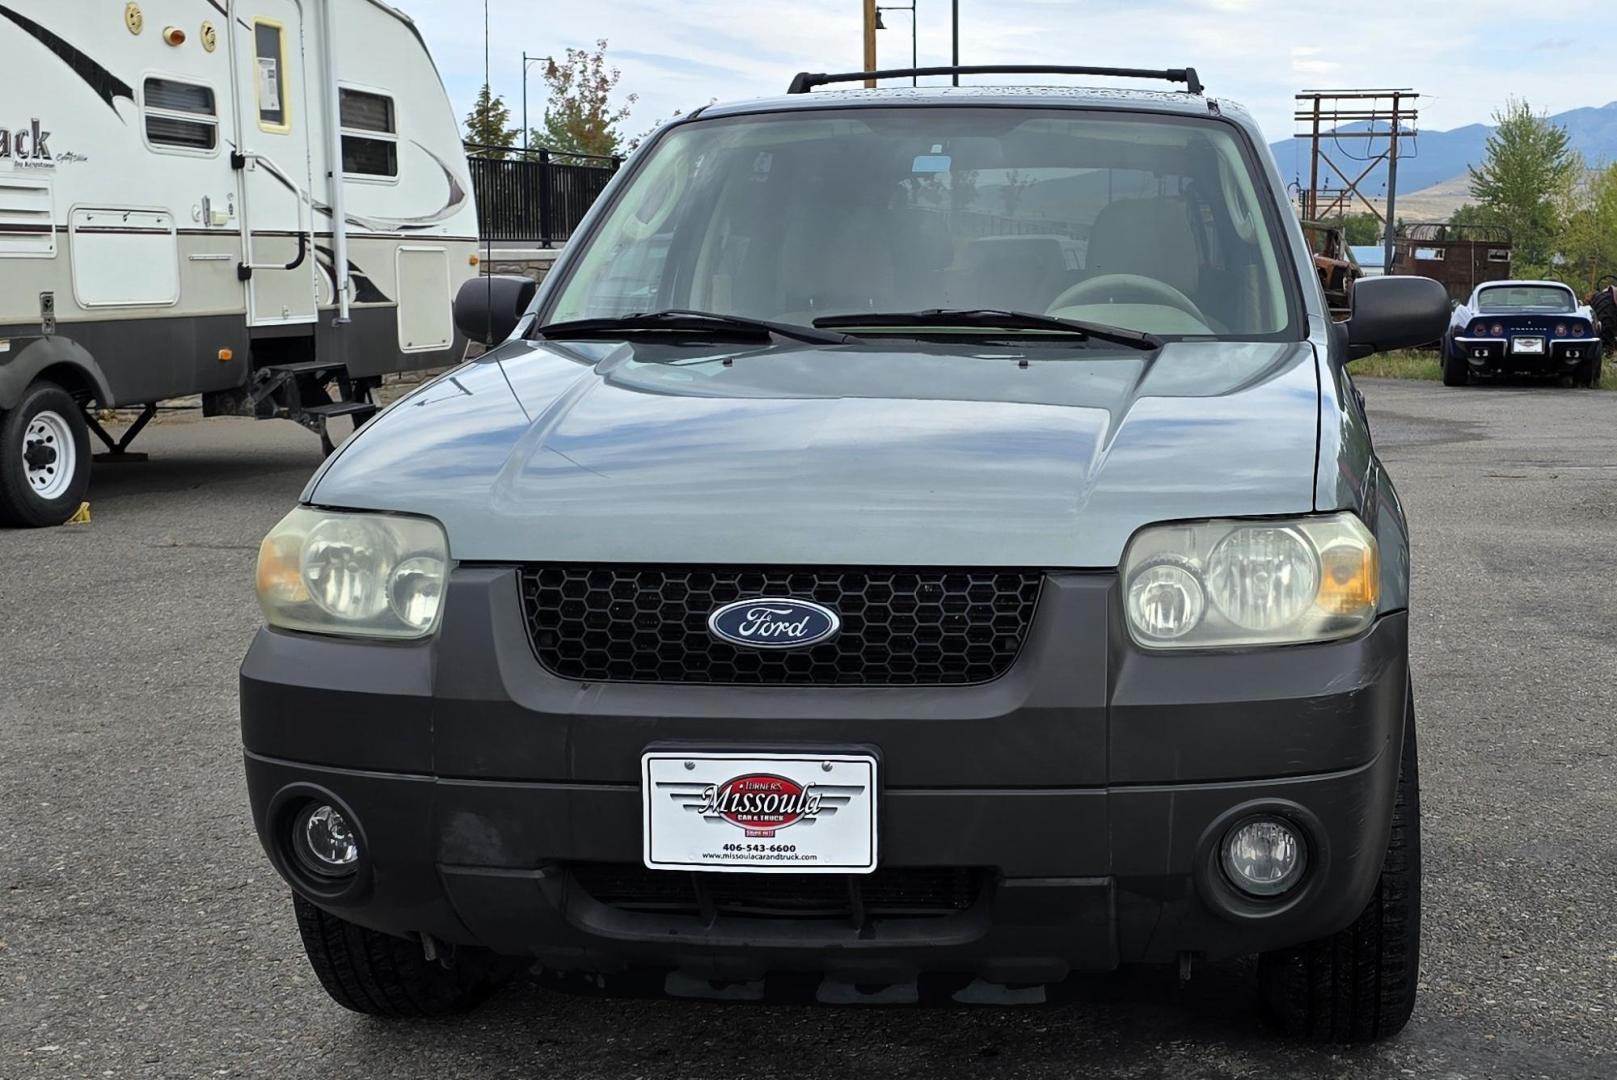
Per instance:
(1150,223)
(1550,299)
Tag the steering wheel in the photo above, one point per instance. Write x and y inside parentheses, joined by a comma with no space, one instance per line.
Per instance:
(1150,290)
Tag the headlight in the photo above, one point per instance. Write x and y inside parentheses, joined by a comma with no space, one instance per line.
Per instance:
(1166,600)
(369,575)
(1262,578)
(1214,584)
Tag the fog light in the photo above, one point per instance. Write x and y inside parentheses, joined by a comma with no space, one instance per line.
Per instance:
(324,841)
(1264,856)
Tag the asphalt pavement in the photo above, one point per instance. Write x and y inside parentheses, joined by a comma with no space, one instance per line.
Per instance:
(143,934)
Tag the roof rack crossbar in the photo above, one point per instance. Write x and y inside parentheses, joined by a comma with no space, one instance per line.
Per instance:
(808,80)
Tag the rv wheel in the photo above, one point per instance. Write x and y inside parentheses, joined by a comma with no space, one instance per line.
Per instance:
(44,458)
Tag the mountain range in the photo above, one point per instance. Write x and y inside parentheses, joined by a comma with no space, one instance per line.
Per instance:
(1437,158)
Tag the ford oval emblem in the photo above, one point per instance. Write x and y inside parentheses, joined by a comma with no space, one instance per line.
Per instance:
(771,622)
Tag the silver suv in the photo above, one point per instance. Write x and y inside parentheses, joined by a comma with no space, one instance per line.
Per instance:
(916,540)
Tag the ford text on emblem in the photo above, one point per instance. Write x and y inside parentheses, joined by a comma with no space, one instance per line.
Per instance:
(770,622)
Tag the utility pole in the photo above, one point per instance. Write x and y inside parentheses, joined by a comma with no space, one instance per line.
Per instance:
(1311,201)
(1332,118)
(870,41)
(1392,188)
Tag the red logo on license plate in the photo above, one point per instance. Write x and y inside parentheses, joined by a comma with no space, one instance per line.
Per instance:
(761,803)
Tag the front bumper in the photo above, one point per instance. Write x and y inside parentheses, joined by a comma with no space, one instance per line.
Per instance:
(1086,789)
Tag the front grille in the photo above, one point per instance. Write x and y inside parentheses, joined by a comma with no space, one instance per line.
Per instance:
(899,627)
(887,893)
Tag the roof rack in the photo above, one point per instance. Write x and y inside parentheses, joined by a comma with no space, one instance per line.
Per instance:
(808,80)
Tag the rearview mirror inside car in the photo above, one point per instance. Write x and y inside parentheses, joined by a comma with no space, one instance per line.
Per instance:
(488,308)
(1396,313)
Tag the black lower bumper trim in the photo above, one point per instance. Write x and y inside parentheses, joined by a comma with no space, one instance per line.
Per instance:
(1124,875)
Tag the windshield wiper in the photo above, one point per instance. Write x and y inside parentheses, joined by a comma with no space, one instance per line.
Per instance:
(685,322)
(993,319)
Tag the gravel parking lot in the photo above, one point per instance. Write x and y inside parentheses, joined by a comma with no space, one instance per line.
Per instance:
(142,932)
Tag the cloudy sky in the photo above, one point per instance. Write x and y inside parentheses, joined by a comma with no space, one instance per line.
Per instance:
(676,54)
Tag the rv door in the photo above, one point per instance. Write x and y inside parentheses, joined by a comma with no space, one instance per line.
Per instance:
(278,216)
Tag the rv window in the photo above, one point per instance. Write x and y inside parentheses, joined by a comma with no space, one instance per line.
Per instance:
(180,115)
(369,134)
(274,110)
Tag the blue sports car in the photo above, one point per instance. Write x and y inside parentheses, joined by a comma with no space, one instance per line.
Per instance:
(1537,327)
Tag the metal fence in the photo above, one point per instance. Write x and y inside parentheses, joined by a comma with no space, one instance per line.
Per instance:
(537,195)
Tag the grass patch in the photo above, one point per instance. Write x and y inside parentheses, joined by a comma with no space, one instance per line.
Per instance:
(1403,364)
(1412,364)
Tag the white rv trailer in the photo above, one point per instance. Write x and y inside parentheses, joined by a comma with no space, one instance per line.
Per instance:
(170,224)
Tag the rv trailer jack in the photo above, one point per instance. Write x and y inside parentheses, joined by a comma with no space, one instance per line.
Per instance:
(117,453)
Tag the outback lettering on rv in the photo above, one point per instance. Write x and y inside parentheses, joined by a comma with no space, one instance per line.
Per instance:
(26,145)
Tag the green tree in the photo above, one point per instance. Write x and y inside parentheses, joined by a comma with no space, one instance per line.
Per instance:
(1524,181)
(1587,240)
(1471,214)
(1360,228)
(488,124)
(579,115)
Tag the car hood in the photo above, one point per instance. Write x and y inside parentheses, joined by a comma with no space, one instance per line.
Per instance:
(858,454)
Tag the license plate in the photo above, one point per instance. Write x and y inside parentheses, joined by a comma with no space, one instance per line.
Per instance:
(763,813)
(1528,345)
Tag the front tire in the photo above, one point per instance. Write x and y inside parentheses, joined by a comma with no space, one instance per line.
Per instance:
(1358,985)
(381,975)
(44,458)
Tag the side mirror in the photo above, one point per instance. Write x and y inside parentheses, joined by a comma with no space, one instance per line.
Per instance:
(488,308)
(1396,313)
